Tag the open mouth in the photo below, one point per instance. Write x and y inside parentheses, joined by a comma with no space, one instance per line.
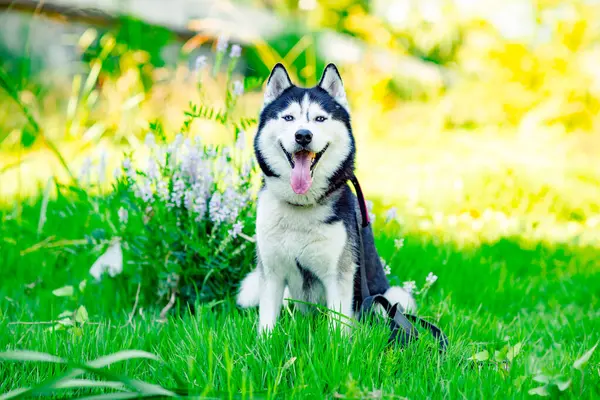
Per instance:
(303,164)
(314,157)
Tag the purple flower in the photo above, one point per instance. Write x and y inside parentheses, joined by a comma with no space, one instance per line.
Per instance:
(163,191)
(240,143)
(144,192)
(152,170)
(123,215)
(222,44)
(236,51)
(178,191)
(150,140)
(236,229)
(391,214)
(199,63)
(238,88)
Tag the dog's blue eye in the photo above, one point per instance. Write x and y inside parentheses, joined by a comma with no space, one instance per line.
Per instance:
(320,118)
(288,118)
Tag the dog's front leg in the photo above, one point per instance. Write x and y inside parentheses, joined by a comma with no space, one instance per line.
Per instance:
(271,299)
(339,292)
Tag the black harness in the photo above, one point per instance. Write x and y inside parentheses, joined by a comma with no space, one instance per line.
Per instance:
(402,329)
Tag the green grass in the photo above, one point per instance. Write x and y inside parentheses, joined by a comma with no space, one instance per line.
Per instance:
(491,293)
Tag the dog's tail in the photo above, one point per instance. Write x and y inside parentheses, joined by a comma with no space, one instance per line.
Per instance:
(396,294)
(249,294)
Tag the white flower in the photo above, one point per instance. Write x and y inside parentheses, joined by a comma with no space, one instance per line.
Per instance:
(409,286)
(102,166)
(236,51)
(236,229)
(391,214)
(386,268)
(399,243)
(144,192)
(152,170)
(238,88)
(123,215)
(240,143)
(178,191)
(246,169)
(369,205)
(199,208)
(163,191)
(199,63)
(179,139)
(215,208)
(86,168)
(431,278)
(111,261)
(128,168)
(222,44)
(372,217)
(150,140)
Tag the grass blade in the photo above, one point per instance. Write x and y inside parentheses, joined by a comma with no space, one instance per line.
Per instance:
(88,383)
(581,361)
(115,396)
(28,355)
(121,356)
(14,394)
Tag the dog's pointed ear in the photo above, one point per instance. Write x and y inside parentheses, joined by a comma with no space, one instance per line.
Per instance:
(278,82)
(331,82)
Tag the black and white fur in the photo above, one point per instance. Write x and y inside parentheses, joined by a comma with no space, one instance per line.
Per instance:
(308,244)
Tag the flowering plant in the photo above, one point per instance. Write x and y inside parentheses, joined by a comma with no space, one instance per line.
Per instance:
(184,214)
(194,204)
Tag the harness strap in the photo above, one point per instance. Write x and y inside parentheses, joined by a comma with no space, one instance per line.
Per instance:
(402,330)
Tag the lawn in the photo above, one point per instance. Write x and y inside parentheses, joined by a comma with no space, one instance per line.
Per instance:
(487,150)
(519,307)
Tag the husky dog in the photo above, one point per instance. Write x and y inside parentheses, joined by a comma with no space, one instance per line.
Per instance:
(308,246)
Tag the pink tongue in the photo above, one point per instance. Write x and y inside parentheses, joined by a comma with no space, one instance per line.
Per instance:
(301,179)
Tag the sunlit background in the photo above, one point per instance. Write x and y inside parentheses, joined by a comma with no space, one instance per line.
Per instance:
(465,111)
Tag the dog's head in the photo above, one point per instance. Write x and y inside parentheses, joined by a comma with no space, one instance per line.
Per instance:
(304,144)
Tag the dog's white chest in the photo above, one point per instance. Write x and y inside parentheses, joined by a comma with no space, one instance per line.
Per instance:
(288,236)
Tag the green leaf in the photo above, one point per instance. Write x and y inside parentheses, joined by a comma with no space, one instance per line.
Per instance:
(541,379)
(121,356)
(518,382)
(540,391)
(13,393)
(66,322)
(481,356)
(65,291)
(81,316)
(115,396)
(66,314)
(28,355)
(514,351)
(28,138)
(88,383)
(57,327)
(581,361)
(563,385)
(500,355)
(82,285)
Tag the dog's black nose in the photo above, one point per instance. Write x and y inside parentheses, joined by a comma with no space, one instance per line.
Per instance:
(303,137)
